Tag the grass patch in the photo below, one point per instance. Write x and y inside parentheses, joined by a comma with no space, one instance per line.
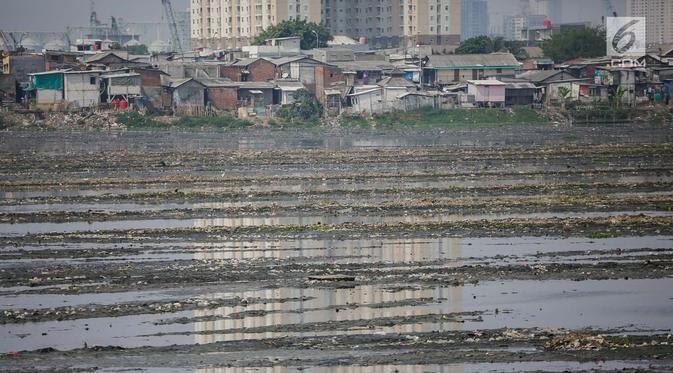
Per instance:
(664,207)
(136,120)
(218,122)
(430,118)
(353,121)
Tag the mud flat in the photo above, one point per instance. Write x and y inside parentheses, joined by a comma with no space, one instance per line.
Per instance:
(523,248)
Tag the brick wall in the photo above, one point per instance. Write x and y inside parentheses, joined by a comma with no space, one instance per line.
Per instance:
(261,71)
(149,78)
(223,98)
(326,76)
(231,72)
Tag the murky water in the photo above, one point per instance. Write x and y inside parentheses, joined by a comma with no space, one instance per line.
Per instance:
(520,304)
(69,269)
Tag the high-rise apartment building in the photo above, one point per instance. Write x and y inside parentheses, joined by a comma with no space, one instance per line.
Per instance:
(383,23)
(659,15)
(235,23)
(473,19)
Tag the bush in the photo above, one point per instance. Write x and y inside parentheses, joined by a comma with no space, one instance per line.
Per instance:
(219,122)
(133,119)
(306,109)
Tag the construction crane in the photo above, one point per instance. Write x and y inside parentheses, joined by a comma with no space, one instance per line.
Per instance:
(172,25)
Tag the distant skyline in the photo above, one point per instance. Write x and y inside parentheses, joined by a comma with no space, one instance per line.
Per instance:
(56,15)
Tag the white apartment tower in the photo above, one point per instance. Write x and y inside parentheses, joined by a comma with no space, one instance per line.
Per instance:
(383,23)
(235,23)
(659,14)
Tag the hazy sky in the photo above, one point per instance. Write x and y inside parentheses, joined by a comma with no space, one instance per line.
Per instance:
(55,15)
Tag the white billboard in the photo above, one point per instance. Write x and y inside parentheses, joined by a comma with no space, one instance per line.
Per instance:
(626,36)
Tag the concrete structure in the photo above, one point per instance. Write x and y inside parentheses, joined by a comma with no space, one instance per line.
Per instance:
(235,23)
(473,19)
(487,92)
(659,14)
(82,88)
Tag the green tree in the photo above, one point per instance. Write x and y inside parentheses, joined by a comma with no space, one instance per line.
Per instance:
(575,43)
(485,44)
(294,27)
(305,107)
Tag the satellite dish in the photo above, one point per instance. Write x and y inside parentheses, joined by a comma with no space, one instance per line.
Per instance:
(285,75)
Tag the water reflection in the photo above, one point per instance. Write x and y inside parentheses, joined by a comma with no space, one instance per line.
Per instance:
(324,305)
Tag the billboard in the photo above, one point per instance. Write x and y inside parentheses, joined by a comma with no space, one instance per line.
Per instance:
(626,36)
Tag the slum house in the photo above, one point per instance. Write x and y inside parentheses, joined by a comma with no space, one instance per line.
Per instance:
(150,84)
(521,92)
(184,96)
(56,60)
(80,89)
(554,90)
(332,104)
(221,93)
(631,83)
(301,68)
(179,69)
(329,77)
(542,77)
(254,98)
(582,68)
(451,69)
(284,93)
(121,86)
(365,72)
(394,86)
(366,100)
(249,70)
(109,61)
(415,100)
(487,93)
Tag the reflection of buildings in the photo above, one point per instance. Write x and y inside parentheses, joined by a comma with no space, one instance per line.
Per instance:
(322,308)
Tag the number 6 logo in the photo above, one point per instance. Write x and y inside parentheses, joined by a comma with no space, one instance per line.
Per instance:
(626,36)
(623,33)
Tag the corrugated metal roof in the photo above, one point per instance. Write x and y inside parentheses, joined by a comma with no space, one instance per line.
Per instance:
(217,82)
(489,82)
(365,65)
(255,85)
(289,85)
(473,60)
